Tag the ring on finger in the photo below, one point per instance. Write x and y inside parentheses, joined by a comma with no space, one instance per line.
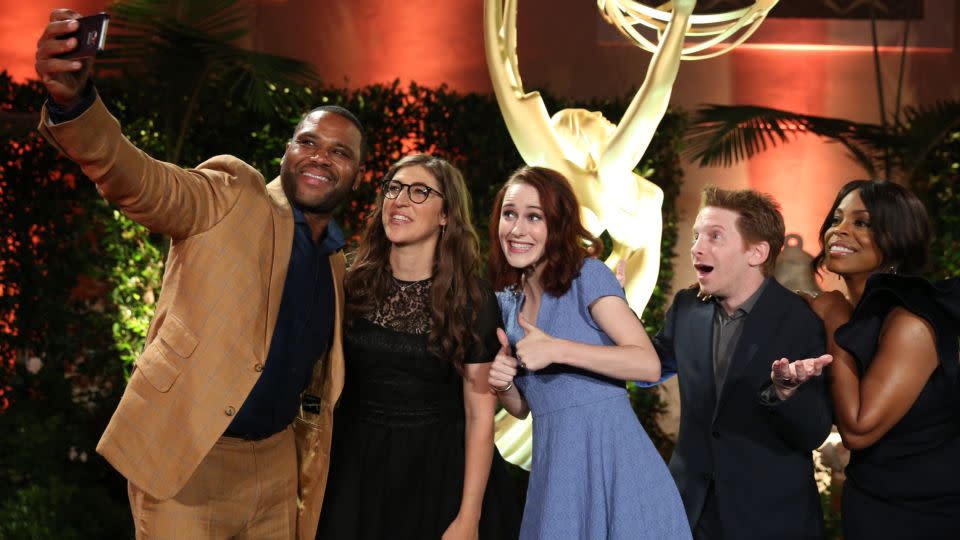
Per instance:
(787,382)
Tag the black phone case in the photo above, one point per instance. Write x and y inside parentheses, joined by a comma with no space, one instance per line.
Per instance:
(91,36)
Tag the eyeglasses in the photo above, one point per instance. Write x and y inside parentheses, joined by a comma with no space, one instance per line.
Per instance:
(417,193)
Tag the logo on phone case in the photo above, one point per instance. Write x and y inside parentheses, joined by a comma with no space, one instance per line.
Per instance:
(92,37)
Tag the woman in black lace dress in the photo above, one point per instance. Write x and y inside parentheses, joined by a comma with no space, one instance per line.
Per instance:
(894,378)
(413,453)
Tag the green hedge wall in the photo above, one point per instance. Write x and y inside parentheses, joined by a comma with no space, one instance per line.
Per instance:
(79,280)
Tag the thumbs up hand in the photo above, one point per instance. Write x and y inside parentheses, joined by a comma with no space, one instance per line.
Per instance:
(504,366)
(537,349)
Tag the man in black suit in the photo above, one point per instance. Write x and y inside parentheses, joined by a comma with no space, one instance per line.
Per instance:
(743,460)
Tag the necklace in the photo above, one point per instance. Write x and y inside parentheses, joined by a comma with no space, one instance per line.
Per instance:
(404,285)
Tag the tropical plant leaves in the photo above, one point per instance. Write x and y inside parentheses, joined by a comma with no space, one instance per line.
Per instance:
(725,134)
(187,48)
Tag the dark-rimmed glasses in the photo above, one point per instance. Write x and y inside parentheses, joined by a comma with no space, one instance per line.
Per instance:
(417,193)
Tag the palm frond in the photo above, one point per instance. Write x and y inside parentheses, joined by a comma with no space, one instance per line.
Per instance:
(153,46)
(925,128)
(725,134)
(185,49)
(264,81)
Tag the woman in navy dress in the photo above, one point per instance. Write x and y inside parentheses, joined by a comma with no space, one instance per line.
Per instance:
(570,343)
(894,378)
(413,454)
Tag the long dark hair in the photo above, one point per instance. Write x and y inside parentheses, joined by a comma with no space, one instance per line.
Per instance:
(568,241)
(898,223)
(455,294)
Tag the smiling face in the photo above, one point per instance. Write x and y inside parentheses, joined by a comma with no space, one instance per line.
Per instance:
(408,223)
(523,230)
(727,267)
(850,247)
(322,163)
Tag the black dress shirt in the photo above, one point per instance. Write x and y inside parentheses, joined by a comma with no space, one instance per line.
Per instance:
(85,100)
(300,338)
(726,333)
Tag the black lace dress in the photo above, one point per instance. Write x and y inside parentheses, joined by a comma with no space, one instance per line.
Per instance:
(907,484)
(397,462)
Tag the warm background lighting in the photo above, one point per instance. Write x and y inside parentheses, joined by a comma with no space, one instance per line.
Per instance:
(814,66)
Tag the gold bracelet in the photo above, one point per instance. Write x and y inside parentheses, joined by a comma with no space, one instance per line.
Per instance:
(502,390)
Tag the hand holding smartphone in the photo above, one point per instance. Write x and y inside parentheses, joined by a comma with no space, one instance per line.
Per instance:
(91,36)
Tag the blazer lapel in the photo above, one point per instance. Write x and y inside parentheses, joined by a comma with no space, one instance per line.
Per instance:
(282,247)
(759,328)
(332,382)
(695,347)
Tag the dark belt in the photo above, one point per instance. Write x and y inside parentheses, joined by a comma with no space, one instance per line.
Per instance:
(249,436)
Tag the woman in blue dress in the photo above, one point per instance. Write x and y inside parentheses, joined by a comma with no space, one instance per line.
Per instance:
(570,342)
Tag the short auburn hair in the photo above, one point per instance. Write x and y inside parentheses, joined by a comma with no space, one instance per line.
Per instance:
(758,218)
(568,241)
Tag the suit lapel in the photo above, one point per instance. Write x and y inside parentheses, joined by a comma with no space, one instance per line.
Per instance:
(695,347)
(282,247)
(758,330)
(332,382)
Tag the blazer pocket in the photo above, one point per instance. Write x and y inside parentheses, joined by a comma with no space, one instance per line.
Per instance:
(178,337)
(159,370)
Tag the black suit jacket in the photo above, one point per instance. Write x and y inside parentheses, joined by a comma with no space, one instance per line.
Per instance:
(757,454)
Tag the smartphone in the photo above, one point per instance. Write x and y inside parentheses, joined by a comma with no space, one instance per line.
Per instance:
(91,36)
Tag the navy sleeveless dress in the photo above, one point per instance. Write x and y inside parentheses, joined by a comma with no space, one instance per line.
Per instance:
(907,484)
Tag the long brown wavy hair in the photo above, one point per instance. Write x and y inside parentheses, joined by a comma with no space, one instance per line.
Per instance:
(568,241)
(455,294)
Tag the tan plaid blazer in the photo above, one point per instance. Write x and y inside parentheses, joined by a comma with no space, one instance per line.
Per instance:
(231,242)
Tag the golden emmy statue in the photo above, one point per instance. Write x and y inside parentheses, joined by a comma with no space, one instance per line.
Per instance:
(597,156)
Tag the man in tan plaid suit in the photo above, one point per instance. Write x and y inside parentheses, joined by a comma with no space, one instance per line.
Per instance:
(224,428)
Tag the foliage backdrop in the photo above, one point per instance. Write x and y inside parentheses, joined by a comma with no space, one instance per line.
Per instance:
(79,280)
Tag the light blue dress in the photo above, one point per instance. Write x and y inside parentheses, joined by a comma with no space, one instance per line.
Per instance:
(595,473)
